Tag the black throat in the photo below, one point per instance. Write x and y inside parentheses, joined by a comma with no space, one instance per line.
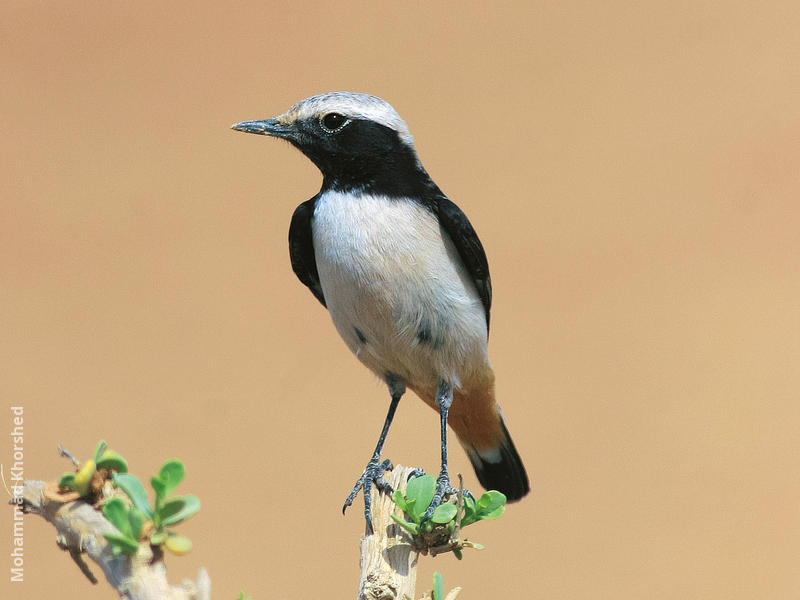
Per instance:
(366,157)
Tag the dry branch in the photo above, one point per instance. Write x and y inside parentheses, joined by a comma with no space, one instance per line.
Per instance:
(80,529)
(388,559)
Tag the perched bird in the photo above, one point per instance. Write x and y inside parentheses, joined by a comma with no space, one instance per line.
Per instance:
(403,275)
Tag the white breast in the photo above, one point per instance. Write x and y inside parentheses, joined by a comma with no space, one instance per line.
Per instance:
(397,290)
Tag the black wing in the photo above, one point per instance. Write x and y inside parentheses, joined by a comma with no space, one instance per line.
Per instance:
(470,249)
(301,248)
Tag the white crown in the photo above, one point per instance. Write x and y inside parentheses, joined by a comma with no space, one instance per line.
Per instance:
(352,105)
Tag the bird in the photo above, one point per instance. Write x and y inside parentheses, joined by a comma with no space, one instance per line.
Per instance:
(404,277)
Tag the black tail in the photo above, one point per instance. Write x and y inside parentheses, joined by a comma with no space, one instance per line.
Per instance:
(501,468)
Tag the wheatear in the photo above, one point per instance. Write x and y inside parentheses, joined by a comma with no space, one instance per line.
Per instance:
(403,274)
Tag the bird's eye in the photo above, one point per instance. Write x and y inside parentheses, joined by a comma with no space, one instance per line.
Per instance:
(333,122)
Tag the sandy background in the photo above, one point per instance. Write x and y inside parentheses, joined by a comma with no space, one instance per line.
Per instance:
(634,174)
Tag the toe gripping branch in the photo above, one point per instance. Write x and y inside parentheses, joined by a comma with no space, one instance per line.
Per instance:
(372,475)
(373,472)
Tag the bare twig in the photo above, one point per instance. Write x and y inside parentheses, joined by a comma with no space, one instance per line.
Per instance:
(67,454)
(460,511)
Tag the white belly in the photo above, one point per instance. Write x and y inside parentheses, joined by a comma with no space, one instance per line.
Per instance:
(397,290)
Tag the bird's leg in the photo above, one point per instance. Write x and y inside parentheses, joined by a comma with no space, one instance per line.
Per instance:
(375,468)
(444,398)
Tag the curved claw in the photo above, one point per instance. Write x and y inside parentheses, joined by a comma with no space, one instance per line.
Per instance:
(371,476)
(415,472)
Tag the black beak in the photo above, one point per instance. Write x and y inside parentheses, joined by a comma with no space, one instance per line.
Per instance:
(271,127)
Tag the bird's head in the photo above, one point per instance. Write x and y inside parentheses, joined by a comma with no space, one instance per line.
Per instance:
(354,139)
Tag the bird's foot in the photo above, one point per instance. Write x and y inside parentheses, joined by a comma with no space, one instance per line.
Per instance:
(372,475)
(443,489)
(415,472)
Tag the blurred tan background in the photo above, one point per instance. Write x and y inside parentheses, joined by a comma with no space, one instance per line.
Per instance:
(634,174)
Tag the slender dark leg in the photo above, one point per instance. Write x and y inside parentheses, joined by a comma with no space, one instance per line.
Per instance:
(444,398)
(374,470)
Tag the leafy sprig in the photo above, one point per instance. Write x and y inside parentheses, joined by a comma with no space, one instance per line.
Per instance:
(167,511)
(81,481)
(418,496)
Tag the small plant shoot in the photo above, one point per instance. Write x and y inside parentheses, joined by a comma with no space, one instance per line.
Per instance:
(104,461)
(418,496)
(438,586)
(166,511)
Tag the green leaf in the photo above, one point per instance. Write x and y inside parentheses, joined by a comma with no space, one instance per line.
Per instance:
(491,505)
(84,477)
(113,461)
(67,482)
(137,519)
(444,513)
(497,499)
(470,515)
(438,586)
(99,449)
(171,473)
(178,544)
(169,508)
(160,488)
(159,485)
(469,505)
(114,510)
(421,491)
(410,508)
(131,485)
(121,544)
(178,508)
(458,554)
(411,528)
(494,514)
(398,498)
